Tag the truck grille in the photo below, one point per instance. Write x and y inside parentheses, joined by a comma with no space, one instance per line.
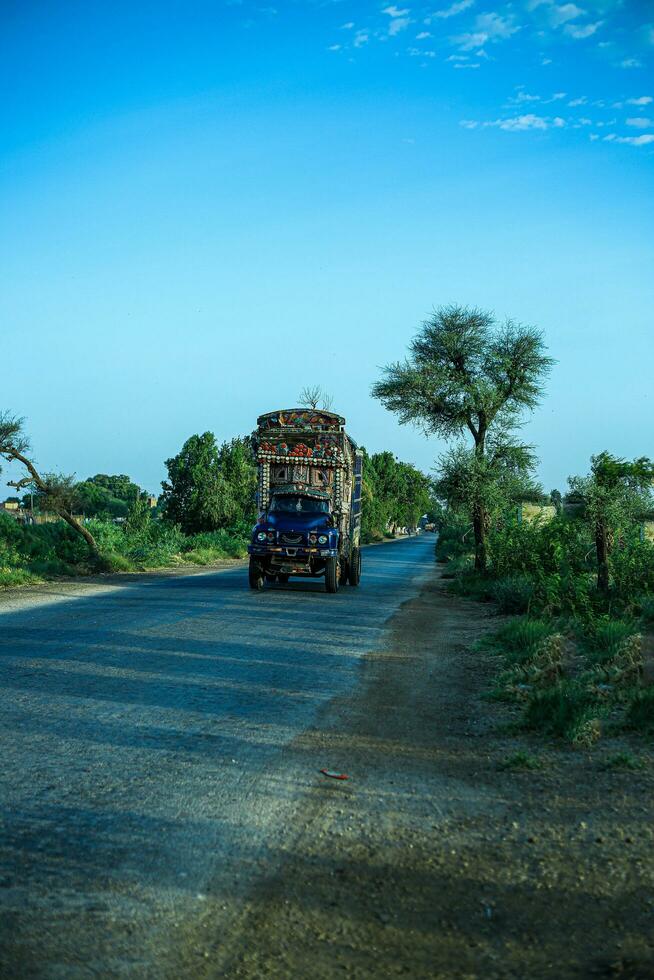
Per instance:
(288,537)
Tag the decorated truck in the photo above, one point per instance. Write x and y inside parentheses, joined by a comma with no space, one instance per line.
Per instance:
(309,499)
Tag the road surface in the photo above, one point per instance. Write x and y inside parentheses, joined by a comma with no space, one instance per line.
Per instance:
(144,777)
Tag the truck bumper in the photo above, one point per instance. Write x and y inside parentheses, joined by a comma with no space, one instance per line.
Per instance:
(263,551)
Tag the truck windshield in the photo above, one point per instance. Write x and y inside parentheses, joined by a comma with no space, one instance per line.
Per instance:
(287,504)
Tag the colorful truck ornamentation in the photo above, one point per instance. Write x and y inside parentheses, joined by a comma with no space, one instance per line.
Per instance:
(309,499)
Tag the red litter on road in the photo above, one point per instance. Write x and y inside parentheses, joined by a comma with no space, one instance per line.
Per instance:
(333,775)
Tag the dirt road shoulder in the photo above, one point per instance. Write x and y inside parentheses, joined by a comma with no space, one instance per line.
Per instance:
(430,860)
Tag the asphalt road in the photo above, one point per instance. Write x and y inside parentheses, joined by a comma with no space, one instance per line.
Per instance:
(143,734)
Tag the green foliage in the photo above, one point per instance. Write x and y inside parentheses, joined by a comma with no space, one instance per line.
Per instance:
(558,557)
(32,552)
(138,517)
(394,494)
(95,501)
(640,714)
(521,637)
(463,371)
(565,710)
(454,537)
(120,486)
(210,487)
(612,496)
(521,761)
(513,594)
(623,761)
(466,375)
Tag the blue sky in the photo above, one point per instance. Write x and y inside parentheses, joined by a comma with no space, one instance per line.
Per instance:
(206,206)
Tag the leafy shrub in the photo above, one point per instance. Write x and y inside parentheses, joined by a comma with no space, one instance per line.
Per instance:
(632,566)
(640,713)
(454,539)
(605,634)
(10,577)
(513,594)
(645,609)
(519,638)
(459,566)
(566,710)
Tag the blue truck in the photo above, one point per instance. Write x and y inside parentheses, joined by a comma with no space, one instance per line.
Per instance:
(309,500)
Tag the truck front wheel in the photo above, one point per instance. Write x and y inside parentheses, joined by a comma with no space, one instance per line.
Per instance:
(255,575)
(331,575)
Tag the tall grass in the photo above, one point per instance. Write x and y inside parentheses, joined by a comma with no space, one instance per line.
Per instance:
(37,552)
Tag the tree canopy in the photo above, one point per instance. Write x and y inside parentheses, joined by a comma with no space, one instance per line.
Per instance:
(395,494)
(210,487)
(467,373)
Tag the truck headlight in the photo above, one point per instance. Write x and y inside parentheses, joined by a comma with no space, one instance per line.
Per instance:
(261,536)
(323,539)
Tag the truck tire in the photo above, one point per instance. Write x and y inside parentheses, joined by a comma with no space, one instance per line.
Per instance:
(255,575)
(331,575)
(354,572)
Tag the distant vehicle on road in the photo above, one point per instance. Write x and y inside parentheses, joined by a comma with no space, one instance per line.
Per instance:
(309,498)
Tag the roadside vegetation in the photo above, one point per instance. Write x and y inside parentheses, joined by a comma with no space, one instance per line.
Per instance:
(205,513)
(576,570)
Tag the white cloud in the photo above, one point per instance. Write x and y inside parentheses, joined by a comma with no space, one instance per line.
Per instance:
(640,122)
(334,47)
(575,102)
(469,123)
(581,31)
(593,136)
(422,35)
(488,27)
(348,26)
(524,97)
(630,63)
(528,121)
(561,14)
(361,38)
(546,61)
(468,65)
(419,53)
(452,11)
(642,100)
(457,57)
(558,95)
(643,140)
(398,24)
(394,12)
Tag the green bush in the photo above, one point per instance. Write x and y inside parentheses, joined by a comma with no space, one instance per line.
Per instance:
(520,638)
(454,539)
(566,710)
(55,549)
(640,713)
(513,594)
(604,638)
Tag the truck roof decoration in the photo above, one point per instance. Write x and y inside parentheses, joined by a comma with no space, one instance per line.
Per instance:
(300,418)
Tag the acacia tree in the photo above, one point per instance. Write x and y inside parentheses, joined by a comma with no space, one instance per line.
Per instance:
(467,373)
(57,492)
(613,495)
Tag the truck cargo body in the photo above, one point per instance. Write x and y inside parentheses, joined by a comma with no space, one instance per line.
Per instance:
(309,499)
